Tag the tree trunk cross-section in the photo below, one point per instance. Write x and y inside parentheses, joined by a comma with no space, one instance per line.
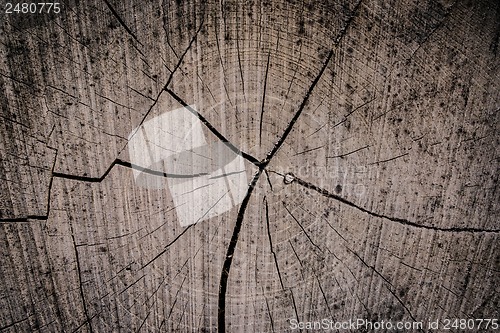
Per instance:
(356,143)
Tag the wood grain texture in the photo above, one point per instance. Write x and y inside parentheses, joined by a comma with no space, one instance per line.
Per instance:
(386,113)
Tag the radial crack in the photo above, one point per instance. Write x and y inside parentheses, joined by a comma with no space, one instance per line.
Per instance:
(181,59)
(404,306)
(239,62)
(271,243)
(115,14)
(127,165)
(390,159)
(324,295)
(132,284)
(176,297)
(295,307)
(82,294)
(298,113)
(226,267)
(268,179)
(227,174)
(167,246)
(97,180)
(264,98)
(370,266)
(349,153)
(301,227)
(307,151)
(221,316)
(219,135)
(343,30)
(269,312)
(327,194)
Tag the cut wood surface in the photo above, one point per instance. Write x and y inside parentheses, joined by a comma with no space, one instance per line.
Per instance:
(357,143)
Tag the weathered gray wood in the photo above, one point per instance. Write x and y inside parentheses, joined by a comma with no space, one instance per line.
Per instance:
(392,210)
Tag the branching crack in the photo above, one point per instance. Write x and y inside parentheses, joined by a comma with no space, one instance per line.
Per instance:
(221,316)
(96,180)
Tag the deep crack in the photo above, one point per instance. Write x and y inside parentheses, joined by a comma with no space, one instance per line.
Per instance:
(406,222)
(120,20)
(218,134)
(221,318)
(266,206)
(95,180)
(289,128)
(226,267)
